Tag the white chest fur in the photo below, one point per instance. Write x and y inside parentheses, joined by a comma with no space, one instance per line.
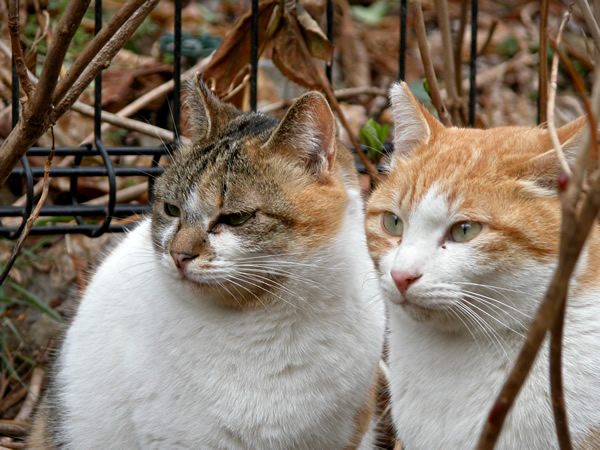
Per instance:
(148,364)
(443,385)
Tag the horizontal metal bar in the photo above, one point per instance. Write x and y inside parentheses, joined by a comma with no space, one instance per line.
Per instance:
(67,229)
(89,151)
(121,210)
(92,171)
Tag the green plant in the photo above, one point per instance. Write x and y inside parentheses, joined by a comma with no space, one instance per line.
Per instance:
(373,136)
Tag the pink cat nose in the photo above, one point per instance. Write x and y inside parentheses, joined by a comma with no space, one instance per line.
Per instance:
(182,259)
(404,279)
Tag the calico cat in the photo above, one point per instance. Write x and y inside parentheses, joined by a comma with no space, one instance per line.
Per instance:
(243,314)
(464,235)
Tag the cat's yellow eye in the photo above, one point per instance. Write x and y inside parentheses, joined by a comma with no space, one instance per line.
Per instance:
(172,210)
(392,223)
(236,219)
(465,231)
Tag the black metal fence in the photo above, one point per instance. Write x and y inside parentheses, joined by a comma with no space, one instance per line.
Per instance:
(76,171)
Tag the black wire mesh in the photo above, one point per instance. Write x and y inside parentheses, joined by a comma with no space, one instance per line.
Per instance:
(94,220)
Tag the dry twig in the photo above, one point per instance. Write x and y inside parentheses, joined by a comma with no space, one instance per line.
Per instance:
(39,113)
(551,93)
(35,387)
(579,213)
(436,97)
(543,64)
(138,10)
(32,218)
(320,75)
(455,103)
(558,401)
(15,35)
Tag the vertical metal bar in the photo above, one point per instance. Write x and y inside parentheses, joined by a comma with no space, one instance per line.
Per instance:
(112,191)
(112,183)
(177,74)
(329,67)
(402,57)
(472,65)
(253,55)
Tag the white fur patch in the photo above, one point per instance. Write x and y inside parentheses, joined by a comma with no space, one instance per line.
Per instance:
(410,127)
(146,349)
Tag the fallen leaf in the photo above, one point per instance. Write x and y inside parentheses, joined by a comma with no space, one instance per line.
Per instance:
(233,55)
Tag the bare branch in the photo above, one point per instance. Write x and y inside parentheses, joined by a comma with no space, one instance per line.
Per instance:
(543,62)
(428,64)
(551,100)
(124,122)
(35,386)
(339,94)
(104,57)
(556,384)
(15,31)
(590,21)
(571,244)
(579,213)
(32,218)
(94,47)
(67,26)
(149,97)
(324,82)
(454,101)
(458,48)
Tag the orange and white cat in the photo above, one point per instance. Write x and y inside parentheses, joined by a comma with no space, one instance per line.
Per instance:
(464,234)
(243,314)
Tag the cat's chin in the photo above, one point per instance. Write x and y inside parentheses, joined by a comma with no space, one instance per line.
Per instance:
(437,317)
(222,293)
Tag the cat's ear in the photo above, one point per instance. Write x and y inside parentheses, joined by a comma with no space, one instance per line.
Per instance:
(413,124)
(546,168)
(208,114)
(307,134)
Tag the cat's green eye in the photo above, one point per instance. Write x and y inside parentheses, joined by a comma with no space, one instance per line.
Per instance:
(392,224)
(236,219)
(465,231)
(172,210)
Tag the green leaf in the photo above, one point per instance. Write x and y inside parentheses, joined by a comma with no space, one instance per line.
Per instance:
(373,135)
(372,14)
(36,302)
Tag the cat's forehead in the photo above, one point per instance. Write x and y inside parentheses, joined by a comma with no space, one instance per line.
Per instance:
(207,162)
(468,166)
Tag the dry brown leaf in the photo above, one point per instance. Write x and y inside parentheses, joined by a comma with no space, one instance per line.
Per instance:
(233,55)
(316,41)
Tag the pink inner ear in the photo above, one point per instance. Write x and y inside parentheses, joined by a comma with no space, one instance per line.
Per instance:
(327,138)
(321,118)
(307,134)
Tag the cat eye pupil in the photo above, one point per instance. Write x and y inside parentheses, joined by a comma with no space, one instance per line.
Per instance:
(392,224)
(465,231)
(236,219)
(172,210)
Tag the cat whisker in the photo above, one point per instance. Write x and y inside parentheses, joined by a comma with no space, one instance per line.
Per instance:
(488,286)
(467,327)
(467,299)
(235,283)
(248,279)
(485,327)
(270,270)
(498,305)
